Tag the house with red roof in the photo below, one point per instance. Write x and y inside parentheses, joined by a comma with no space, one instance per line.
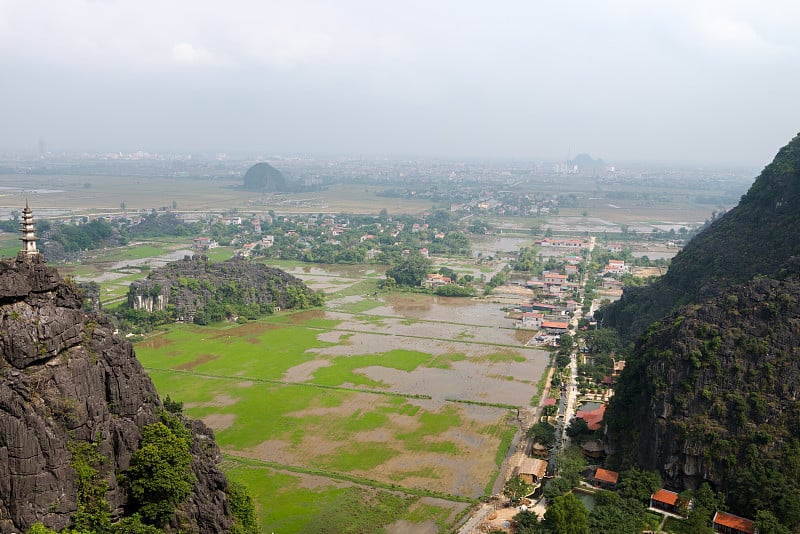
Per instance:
(555,279)
(725,523)
(531,320)
(555,327)
(434,280)
(668,502)
(605,478)
(593,418)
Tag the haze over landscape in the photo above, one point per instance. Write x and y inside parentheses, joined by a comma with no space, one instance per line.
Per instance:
(415,268)
(679,82)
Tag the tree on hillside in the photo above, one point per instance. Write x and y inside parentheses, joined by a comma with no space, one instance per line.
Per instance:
(767,523)
(159,476)
(543,433)
(567,515)
(639,484)
(409,270)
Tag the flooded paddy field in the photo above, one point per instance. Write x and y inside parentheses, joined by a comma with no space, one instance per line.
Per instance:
(414,394)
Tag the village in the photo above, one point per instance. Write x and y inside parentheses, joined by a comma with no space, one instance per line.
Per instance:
(548,290)
(558,307)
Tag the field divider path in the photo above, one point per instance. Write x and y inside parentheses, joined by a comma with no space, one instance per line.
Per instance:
(410,336)
(244,460)
(340,388)
(404,318)
(288,383)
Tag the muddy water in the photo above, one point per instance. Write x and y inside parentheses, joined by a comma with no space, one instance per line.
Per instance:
(443,309)
(465,381)
(490,247)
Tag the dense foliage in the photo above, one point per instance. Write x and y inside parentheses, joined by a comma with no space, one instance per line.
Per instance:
(724,377)
(159,477)
(409,270)
(242,508)
(198,291)
(515,489)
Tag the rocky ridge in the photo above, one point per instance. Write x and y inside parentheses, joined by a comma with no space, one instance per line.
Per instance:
(65,376)
(191,286)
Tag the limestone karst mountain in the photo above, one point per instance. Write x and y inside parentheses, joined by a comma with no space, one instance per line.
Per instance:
(756,238)
(712,390)
(67,379)
(263,177)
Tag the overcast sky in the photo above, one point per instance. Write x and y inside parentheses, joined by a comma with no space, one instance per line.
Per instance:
(714,82)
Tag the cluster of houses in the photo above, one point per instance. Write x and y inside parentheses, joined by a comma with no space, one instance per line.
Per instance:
(669,503)
(552,318)
(315,230)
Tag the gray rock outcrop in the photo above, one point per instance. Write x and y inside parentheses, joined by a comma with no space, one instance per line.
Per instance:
(65,376)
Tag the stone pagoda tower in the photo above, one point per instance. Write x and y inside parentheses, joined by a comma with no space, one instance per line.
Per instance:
(28,238)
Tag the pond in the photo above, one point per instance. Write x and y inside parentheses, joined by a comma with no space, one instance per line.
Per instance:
(586,497)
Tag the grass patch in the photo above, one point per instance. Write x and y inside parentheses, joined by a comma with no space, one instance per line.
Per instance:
(342,369)
(135,252)
(431,426)
(219,254)
(357,457)
(284,504)
(375,320)
(367,286)
(445,361)
(425,472)
(541,385)
(258,349)
(359,307)
(9,247)
(505,357)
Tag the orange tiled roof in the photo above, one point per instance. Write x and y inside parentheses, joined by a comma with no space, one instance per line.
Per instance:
(734,521)
(604,475)
(593,418)
(666,497)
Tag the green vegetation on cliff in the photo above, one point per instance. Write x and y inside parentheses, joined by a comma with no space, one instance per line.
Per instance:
(710,393)
(754,239)
(196,290)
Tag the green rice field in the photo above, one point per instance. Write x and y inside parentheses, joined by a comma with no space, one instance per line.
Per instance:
(324,420)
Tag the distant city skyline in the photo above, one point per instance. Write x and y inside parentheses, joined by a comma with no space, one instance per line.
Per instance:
(704,83)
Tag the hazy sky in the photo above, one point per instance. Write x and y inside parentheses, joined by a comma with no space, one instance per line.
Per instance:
(670,81)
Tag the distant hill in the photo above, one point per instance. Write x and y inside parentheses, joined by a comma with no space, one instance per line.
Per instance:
(263,177)
(756,238)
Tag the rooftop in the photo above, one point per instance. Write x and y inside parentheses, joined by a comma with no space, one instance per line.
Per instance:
(604,475)
(734,521)
(665,496)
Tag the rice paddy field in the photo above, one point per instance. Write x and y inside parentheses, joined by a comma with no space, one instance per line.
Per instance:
(379,413)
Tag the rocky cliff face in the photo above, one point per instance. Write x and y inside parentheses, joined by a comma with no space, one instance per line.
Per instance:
(65,376)
(711,384)
(193,286)
(712,391)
